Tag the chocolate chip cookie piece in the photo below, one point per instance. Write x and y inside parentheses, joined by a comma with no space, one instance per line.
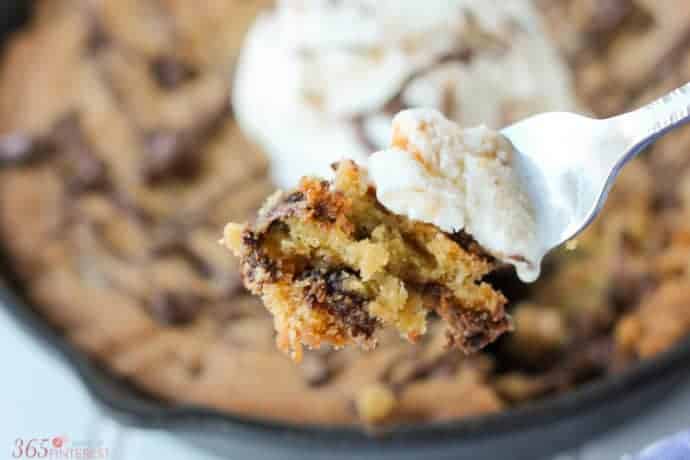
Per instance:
(334,266)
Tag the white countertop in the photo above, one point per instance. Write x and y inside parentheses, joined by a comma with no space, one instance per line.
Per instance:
(41,398)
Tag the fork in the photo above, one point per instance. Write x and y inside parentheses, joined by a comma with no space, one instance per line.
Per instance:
(567,163)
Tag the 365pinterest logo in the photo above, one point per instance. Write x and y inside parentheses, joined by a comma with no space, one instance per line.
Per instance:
(57,447)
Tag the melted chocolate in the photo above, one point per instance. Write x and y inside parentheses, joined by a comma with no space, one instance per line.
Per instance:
(171,72)
(171,155)
(469,329)
(325,291)
(97,39)
(177,154)
(175,308)
(84,170)
(469,244)
(319,367)
(22,148)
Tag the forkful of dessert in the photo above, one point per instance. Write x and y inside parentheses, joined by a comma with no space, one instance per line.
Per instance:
(416,229)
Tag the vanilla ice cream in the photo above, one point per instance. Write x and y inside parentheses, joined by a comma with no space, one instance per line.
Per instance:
(458,179)
(319,80)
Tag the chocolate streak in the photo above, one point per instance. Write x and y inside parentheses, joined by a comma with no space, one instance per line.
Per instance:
(177,154)
(171,72)
(325,291)
(469,329)
(66,142)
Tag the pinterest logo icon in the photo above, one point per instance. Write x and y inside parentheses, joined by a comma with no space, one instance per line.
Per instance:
(59,441)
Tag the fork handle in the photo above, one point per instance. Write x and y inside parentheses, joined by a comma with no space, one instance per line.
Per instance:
(646,124)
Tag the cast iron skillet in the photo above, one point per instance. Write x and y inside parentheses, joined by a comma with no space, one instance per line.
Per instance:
(530,432)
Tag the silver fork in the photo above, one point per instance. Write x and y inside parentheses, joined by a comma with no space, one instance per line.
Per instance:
(569,162)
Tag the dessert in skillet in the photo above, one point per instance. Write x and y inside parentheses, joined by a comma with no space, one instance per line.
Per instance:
(413,231)
(131,274)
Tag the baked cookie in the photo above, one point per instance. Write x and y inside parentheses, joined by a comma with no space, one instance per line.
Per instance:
(333,266)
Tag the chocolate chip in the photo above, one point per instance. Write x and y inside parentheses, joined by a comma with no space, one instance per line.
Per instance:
(84,170)
(294,197)
(170,72)
(473,339)
(317,368)
(469,244)
(324,213)
(195,369)
(97,38)
(67,132)
(176,154)
(175,308)
(608,14)
(325,290)
(251,239)
(468,329)
(90,173)
(170,154)
(20,148)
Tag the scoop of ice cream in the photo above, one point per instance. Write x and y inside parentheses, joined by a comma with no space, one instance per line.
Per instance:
(320,80)
(458,179)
